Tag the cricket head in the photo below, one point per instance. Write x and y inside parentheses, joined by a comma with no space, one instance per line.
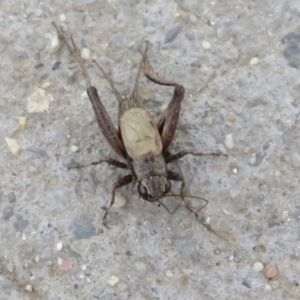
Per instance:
(153,188)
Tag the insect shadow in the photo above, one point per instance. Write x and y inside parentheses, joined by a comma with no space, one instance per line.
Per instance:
(138,140)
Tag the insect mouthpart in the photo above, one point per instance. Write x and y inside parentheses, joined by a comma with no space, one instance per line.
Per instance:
(154,187)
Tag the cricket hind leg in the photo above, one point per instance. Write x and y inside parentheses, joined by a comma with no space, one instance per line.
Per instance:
(107,127)
(75,52)
(167,123)
(134,94)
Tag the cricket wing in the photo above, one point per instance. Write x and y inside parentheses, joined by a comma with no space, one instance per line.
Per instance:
(139,133)
(108,130)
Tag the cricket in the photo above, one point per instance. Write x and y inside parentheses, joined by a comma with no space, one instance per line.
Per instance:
(139,141)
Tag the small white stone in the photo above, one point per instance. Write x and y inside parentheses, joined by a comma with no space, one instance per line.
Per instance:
(38,12)
(74,148)
(229,141)
(113,280)
(13,146)
(62,18)
(29,288)
(258,267)
(24,237)
(208,121)
(83,267)
(187,272)
(84,95)
(206,45)
(169,273)
(234,171)
(177,15)
(37,259)
(120,201)
(254,61)
(59,246)
(59,261)
(23,122)
(141,268)
(85,53)
(46,85)
(54,41)
(122,286)
(38,101)
(88,280)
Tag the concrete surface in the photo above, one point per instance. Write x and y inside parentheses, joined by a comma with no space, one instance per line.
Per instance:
(239,62)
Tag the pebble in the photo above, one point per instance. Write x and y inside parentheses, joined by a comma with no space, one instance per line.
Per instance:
(258,267)
(21,224)
(85,53)
(235,171)
(208,121)
(113,280)
(82,229)
(177,15)
(271,272)
(38,101)
(13,146)
(254,61)
(38,12)
(122,286)
(295,159)
(56,65)
(231,118)
(54,41)
(234,192)
(29,288)
(65,264)
(62,18)
(141,267)
(7,213)
(59,246)
(75,148)
(120,201)
(229,141)
(172,35)
(206,45)
(169,273)
(46,85)
(23,122)
(39,65)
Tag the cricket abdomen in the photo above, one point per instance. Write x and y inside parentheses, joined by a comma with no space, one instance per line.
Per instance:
(139,133)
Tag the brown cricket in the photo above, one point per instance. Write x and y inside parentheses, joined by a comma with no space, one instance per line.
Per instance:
(141,142)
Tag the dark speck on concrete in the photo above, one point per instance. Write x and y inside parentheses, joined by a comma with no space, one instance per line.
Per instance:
(21,224)
(8,211)
(82,229)
(56,65)
(172,35)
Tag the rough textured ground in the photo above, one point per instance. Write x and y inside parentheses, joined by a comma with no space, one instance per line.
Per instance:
(239,62)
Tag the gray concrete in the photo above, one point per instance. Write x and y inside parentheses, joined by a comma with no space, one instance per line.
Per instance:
(246,82)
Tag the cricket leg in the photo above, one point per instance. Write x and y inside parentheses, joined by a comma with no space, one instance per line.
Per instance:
(134,94)
(167,123)
(121,182)
(110,161)
(177,177)
(107,128)
(183,153)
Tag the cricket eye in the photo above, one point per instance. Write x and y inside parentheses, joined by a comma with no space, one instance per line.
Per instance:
(167,186)
(143,191)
